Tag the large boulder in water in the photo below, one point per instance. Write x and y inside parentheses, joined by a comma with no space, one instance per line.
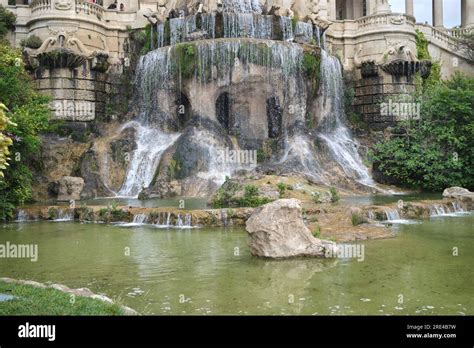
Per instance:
(277,230)
(460,194)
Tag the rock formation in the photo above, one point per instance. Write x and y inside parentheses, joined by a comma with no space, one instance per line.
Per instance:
(277,230)
(70,188)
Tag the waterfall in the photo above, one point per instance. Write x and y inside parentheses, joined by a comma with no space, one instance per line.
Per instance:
(242,6)
(140,219)
(151,143)
(333,129)
(457,207)
(209,25)
(180,28)
(304,31)
(247,25)
(287,28)
(64,215)
(160,35)
(392,215)
(21,216)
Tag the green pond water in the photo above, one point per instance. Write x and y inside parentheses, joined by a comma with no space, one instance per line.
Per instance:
(210,271)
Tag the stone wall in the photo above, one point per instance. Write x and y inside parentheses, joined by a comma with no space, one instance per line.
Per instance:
(374,87)
(79,94)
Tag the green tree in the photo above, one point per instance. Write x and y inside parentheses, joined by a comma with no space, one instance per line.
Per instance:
(5,140)
(436,151)
(29,114)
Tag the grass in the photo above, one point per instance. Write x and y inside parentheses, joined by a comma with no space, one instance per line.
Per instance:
(36,301)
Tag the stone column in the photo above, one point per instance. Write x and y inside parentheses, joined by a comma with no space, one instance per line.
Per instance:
(349,10)
(358,8)
(371,7)
(437,13)
(467,13)
(332,10)
(409,8)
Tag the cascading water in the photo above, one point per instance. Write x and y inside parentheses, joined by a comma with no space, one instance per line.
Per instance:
(242,6)
(151,143)
(392,215)
(304,31)
(64,215)
(247,25)
(287,28)
(21,216)
(333,129)
(181,28)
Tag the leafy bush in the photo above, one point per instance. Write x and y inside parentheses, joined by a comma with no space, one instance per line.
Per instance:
(334,195)
(281,189)
(31,41)
(438,150)
(317,231)
(357,219)
(7,20)
(29,114)
(311,66)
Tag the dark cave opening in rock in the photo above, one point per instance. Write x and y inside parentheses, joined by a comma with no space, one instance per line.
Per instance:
(274,117)
(223,109)
(183,110)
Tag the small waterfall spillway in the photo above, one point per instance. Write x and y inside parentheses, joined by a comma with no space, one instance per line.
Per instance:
(333,129)
(238,87)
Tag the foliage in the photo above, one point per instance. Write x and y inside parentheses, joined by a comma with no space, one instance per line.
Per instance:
(29,115)
(5,140)
(281,189)
(186,59)
(311,66)
(465,44)
(334,195)
(251,197)
(317,231)
(316,197)
(227,196)
(438,150)
(7,21)
(422,46)
(31,41)
(423,53)
(357,219)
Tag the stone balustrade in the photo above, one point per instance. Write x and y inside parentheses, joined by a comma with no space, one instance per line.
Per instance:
(458,32)
(375,21)
(89,9)
(82,8)
(41,6)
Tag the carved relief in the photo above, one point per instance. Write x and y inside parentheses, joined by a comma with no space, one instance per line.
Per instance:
(62,5)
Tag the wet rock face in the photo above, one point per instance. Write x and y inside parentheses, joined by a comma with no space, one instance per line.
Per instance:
(461,194)
(70,188)
(277,230)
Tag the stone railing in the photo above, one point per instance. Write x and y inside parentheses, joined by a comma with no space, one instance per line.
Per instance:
(89,9)
(375,21)
(54,8)
(458,32)
(41,6)
(443,36)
